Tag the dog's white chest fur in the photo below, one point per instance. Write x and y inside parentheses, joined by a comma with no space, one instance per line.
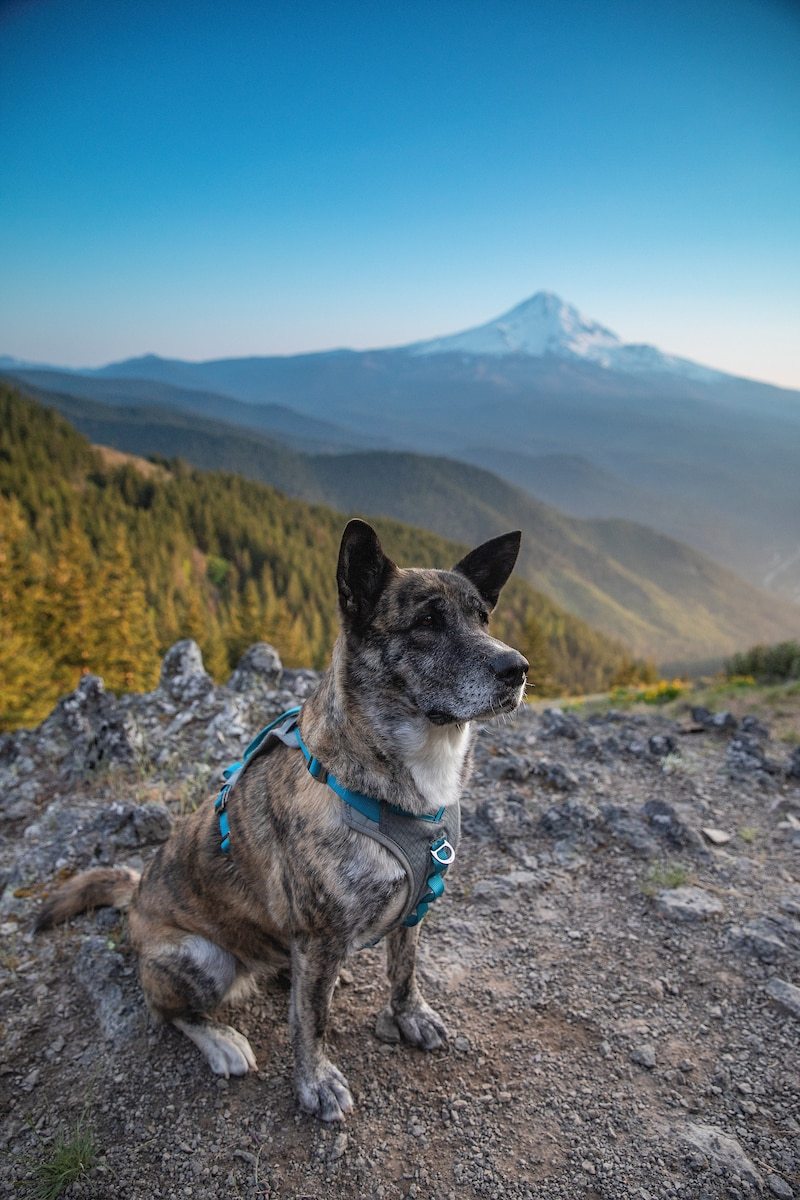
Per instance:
(434,754)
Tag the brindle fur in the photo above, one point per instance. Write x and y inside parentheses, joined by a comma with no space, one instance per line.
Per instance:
(413,665)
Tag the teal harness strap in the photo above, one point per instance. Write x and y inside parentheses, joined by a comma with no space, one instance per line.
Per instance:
(232,773)
(441,851)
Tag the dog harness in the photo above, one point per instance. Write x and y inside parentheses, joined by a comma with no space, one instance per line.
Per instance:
(424,844)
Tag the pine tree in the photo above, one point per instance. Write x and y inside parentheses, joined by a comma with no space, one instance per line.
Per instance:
(67,616)
(127,652)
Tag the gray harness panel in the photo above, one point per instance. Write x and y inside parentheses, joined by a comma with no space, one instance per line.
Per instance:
(423,845)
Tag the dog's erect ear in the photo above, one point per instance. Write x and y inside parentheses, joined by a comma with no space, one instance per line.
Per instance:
(362,573)
(489,565)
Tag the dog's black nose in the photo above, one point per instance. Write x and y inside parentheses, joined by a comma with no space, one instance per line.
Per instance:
(511,667)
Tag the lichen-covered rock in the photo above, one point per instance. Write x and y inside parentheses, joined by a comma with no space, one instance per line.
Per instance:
(183,676)
(259,669)
(86,730)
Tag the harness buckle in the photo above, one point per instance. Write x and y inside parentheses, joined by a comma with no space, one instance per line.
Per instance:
(443,852)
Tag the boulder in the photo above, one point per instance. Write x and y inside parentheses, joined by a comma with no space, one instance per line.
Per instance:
(687,904)
(183,677)
(259,669)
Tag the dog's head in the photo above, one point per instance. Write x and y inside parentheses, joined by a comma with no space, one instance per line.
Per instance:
(421,635)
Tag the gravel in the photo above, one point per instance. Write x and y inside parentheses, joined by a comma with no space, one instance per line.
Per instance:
(604,1044)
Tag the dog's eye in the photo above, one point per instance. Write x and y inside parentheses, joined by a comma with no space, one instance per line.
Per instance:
(426,621)
(483,617)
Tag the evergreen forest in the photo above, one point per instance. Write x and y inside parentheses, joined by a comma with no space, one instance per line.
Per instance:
(105,561)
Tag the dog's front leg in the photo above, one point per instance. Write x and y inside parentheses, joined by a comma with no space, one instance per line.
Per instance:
(407,1014)
(321,1088)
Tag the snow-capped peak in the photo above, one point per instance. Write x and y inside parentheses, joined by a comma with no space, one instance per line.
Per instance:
(546,325)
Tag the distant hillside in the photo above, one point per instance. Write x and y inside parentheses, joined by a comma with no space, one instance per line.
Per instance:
(656,595)
(103,566)
(715,457)
(276,420)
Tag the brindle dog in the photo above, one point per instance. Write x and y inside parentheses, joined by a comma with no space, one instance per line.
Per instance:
(413,665)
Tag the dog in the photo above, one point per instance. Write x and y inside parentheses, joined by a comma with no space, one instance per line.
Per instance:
(281,871)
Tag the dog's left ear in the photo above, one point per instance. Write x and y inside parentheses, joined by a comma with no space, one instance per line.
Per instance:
(362,573)
(489,565)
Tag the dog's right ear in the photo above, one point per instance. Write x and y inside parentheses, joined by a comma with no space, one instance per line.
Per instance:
(362,573)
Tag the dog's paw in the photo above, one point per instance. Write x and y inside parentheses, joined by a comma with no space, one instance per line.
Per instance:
(419,1025)
(325,1093)
(228,1052)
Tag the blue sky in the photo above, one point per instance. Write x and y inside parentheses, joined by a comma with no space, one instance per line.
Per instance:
(204,179)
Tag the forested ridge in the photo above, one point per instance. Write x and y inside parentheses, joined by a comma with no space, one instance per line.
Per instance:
(103,566)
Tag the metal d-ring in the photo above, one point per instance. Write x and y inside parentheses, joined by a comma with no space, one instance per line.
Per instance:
(443,853)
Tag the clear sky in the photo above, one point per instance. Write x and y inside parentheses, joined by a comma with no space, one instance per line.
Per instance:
(201,179)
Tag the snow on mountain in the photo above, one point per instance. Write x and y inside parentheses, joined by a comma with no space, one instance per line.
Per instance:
(546,325)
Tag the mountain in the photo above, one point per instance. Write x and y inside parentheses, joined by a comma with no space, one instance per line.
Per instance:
(705,457)
(546,325)
(659,597)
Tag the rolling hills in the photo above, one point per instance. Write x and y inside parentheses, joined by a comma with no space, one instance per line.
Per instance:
(659,597)
(104,564)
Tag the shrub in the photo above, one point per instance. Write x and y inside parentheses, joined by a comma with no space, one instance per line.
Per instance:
(766,664)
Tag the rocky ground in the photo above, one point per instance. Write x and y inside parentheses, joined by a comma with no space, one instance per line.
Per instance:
(617,958)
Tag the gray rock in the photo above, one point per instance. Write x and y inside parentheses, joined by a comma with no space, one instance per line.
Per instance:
(626,825)
(661,744)
(504,886)
(259,669)
(793,769)
(645,1055)
(571,816)
(687,904)
(745,753)
(721,722)
(785,994)
(557,724)
(589,747)
(300,682)
(131,825)
(338,1147)
(553,775)
(760,938)
(118,1001)
(779,1187)
(16,810)
(717,837)
(671,822)
(183,676)
(509,766)
(508,818)
(721,1148)
(790,904)
(752,725)
(87,729)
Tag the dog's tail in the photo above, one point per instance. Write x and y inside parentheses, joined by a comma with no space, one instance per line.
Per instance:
(91,889)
